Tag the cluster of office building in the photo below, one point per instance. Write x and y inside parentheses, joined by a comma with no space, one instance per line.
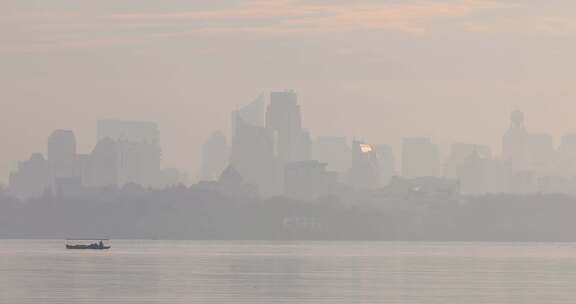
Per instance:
(271,153)
(271,150)
(127,152)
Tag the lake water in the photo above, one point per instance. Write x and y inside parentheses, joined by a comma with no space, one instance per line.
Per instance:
(279,272)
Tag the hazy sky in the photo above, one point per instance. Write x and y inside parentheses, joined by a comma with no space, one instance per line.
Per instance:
(379,69)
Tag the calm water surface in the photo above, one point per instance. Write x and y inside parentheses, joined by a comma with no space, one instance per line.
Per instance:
(275,272)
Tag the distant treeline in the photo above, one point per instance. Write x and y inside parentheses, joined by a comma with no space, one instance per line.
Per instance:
(188,213)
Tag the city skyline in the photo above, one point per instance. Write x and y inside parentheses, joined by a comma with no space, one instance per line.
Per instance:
(194,171)
(434,68)
(270,148)
(287,151)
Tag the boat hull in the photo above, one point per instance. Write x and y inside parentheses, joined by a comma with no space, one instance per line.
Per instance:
(87,247)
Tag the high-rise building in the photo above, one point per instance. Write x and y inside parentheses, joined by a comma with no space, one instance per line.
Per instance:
(215,156)
(541,153)
(365,170)
(139,152)
(64,162)
(528,152)
(284,119)
(103,165)
(139,163)
(62,154)
(515,141)
(420,158)
(252,152)
(386,163)
(260,151)
(32,178)
(479,174)
(254,114)
(470,173)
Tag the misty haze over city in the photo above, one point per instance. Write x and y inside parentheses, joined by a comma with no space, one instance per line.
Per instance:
(273,180)
(356,105)
(272,152)
(287,151)
(379,70)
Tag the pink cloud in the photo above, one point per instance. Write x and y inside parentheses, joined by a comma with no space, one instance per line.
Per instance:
(279,17)
(527,25)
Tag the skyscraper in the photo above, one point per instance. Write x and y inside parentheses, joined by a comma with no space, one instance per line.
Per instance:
(65,167)
(284,119)
(527,152)
(139,151)
(252,152)
(472,174)
(139,163)
(365,170)
(62,154)
(32,178)
(386,163)
(420,158)
(515,141)
(254,114)
(541,153)
(103,164)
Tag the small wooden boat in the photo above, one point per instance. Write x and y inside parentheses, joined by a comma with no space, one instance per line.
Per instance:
(91,244)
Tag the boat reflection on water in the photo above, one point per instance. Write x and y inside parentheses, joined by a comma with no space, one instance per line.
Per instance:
(93,244)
